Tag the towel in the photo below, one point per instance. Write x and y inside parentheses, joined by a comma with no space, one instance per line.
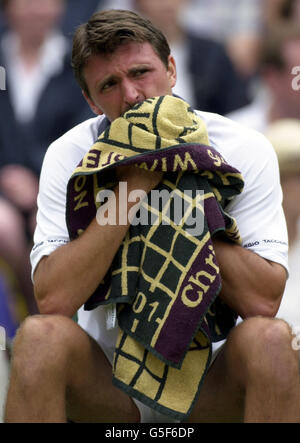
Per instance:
(165,278)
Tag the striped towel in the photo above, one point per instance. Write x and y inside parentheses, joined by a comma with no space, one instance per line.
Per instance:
(165,278)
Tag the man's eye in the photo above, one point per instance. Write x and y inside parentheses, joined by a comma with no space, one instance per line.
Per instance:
(107,85)
(140,72)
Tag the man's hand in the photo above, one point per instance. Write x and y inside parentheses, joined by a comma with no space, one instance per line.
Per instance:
(139,178)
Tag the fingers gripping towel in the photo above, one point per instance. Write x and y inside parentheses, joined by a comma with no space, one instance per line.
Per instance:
(164,278)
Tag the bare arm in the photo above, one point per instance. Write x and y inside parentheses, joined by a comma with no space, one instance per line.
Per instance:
(251,285)
(65,279)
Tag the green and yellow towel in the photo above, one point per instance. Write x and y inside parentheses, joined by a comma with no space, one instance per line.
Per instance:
(165,278)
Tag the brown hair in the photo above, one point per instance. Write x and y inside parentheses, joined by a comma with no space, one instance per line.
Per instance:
(106,31)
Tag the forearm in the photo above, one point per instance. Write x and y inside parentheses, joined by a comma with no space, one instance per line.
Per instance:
(67,278)
(251,285)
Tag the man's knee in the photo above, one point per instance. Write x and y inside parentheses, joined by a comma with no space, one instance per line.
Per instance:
(42,343)
(263,348)
(257,334)
(39,330)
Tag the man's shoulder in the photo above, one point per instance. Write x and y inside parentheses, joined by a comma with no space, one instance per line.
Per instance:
(84,131)
(221,127)
(238,143)
(65,153)
(253,115)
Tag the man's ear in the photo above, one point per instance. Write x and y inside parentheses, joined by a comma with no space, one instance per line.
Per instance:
(172,73)
(96,110)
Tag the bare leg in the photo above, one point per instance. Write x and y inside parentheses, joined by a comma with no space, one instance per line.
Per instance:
(59,372)
(254,379)
(58,368)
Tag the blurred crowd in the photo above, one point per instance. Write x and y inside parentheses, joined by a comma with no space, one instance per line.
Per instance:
(237,58)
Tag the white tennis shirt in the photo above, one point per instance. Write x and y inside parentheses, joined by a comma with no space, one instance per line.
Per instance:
(257,210)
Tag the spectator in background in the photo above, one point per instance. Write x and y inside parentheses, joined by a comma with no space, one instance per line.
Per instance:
(284,134)
(14,259)
(77,12)
(277,11)
(207,78)
(238,24)
(1,23)
(276,113)
(277,98)
(41,102)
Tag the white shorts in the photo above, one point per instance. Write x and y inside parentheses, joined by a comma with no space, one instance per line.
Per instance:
(149,415)
(94,323)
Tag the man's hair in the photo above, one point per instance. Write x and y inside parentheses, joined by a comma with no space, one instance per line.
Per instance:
(106,31)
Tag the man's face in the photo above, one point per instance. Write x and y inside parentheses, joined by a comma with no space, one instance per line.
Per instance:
(133,73)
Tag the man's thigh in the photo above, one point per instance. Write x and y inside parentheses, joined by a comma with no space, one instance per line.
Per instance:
(220,398)
(249,354)
(90,394)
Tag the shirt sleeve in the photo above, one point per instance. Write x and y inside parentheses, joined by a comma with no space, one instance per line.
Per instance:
(61,159)
(258,210)
(51,230)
